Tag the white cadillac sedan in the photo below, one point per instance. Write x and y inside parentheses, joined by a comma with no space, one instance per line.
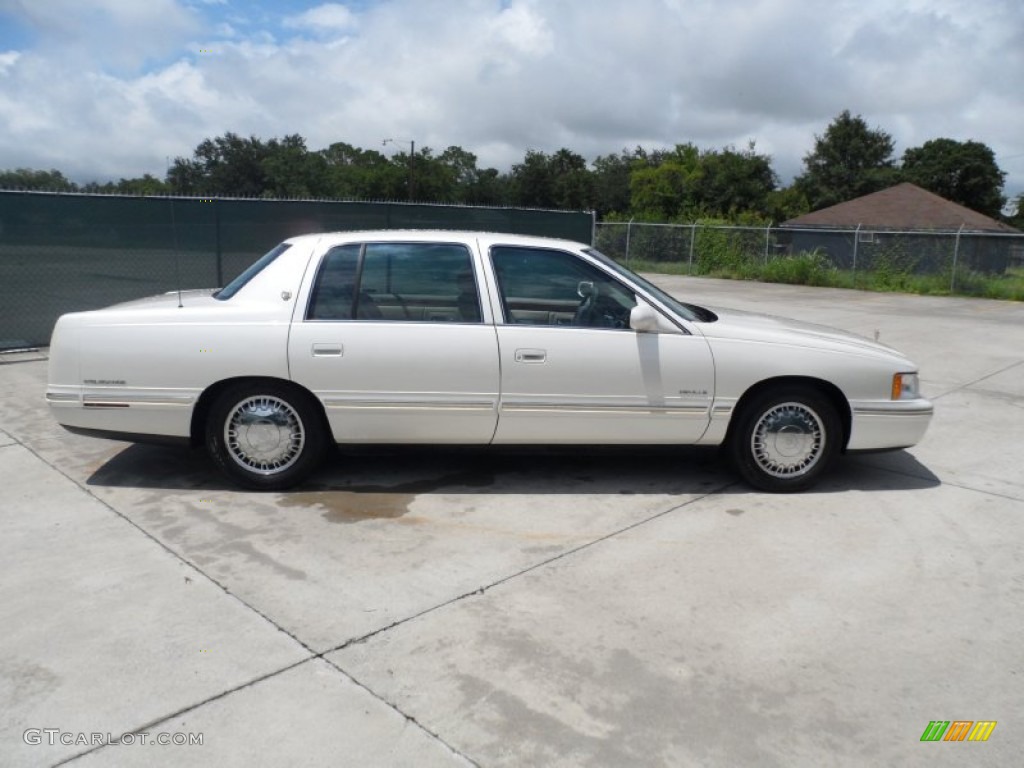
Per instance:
(470,338)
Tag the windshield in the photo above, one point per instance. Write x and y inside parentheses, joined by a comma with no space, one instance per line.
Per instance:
(686,311)
(254,269)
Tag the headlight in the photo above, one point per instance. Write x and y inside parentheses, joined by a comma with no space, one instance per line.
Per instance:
(905,386)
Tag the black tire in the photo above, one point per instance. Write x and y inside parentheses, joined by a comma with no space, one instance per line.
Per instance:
(265,435)
(785,439)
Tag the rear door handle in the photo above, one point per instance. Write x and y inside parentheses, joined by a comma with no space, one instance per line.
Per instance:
(328,350)
(531,355)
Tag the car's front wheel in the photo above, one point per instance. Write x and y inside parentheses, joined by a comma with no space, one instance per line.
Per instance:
(267,436)
(785,439)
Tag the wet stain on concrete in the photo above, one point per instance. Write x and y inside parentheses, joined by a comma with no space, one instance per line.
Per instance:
(352,507)
(27,681)
(735,512)
(355,503)
(540,703)
(254,555)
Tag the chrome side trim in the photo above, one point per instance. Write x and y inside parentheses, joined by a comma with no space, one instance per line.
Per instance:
(631,410)
(893,410)
(336,403)
(61,397)
(120,401)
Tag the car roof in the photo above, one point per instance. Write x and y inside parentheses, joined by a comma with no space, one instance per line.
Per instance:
(486,239)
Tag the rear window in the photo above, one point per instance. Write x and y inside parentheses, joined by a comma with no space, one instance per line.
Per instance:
(254,269)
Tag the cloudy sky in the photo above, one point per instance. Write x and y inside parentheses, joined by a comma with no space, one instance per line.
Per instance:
(101,89)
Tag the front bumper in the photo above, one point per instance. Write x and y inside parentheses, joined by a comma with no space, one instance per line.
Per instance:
(880,425)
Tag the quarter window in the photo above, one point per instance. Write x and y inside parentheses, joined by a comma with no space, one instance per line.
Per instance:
(411,282)
(335,288)
(254,269)
(547,287)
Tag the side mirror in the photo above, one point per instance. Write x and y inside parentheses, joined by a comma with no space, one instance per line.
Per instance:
(643,318)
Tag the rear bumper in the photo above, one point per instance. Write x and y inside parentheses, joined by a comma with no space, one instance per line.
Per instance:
(125,412)
(886,425)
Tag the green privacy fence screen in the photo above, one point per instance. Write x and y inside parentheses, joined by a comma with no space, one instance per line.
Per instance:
(66,252)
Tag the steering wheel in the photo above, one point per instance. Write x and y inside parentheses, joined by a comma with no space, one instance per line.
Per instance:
(586,312)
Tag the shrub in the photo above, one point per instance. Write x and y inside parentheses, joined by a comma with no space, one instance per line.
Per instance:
(807,268)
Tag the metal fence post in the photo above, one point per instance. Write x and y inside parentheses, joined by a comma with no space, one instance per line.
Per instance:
(693,238)
(856,243)
(956,258)
(767,241)
(629,226)
(218,243)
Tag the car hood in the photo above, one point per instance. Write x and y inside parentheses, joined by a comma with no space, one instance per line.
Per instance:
(769,329)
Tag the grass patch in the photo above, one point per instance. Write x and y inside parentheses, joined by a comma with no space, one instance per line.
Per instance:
(815,269)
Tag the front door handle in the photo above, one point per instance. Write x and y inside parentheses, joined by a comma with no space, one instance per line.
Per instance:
(531,355)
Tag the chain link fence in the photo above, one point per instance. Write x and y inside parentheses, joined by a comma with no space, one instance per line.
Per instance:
(67,252)
(957,262)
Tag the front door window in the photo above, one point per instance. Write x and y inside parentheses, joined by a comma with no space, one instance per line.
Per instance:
(548,287)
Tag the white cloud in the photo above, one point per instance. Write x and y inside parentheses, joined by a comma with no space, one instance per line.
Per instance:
(329,17)
(498,78)
(121,35)
(7,60)
(522,29)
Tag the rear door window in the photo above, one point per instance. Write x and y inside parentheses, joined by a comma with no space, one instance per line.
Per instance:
(403,282)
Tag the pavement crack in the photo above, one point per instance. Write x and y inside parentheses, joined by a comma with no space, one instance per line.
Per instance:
(157,722)
(398,710)
(522,572)
(481,591)
(174,553)
(980,379)
(940,481)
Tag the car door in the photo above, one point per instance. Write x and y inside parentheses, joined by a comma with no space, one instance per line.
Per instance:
(394,342)
(572,369)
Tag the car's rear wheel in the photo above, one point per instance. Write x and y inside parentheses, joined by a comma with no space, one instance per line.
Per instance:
(267,436)
(785,439)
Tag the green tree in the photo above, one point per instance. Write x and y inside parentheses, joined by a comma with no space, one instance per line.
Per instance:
(444,178)
(787,203)
(733,181)
(561,180)
(964,172)
(143,186)
(456,171)
(687,183)
(663,185)
(39,181)
(531,181)
(228,165)
(611,182)
(290,170)
(363,173)
(573,186)
(489,188)
(465,183)
(848,161)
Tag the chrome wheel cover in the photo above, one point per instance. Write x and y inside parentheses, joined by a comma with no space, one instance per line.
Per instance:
(788,440)
(264,435)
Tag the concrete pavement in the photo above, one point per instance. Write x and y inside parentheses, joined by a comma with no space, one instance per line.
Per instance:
(606,608)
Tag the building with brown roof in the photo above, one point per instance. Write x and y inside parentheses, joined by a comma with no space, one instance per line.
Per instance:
(907,224)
